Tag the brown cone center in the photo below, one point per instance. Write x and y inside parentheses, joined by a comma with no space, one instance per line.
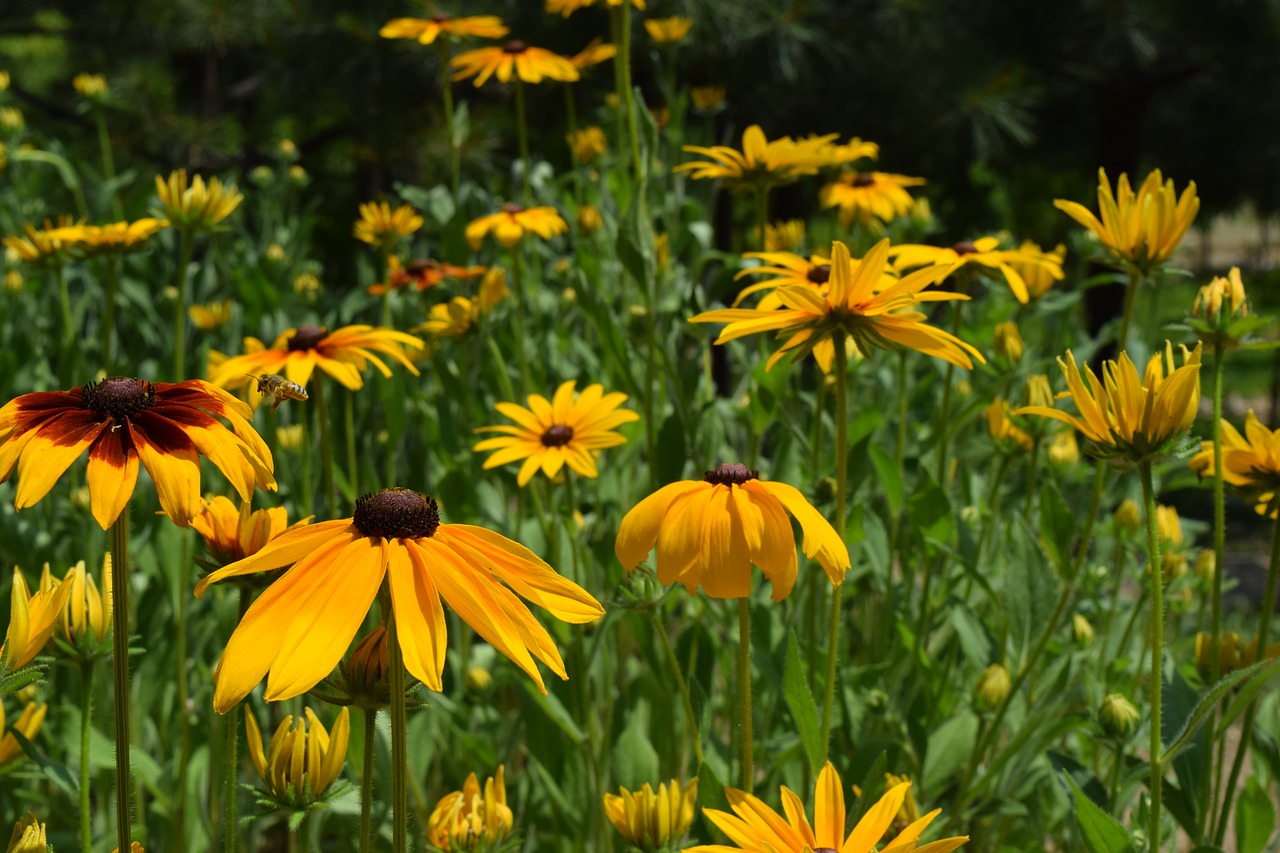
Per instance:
(119,396)
(516,46)
(820,274)
(964,247)
(730,473)
(441,17)
(397,514)
(557,436)
(512,208)
(307,337)
(865,179)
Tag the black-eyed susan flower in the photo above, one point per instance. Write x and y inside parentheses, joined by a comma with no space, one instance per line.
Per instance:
(233,532)
(39,245)
(668,30)
(513,221)
(122,421)
(596,52)
(1138,230)
(761,163)
(458,316)
(784,236)
(1250,462)
(653,820)
(115,238)
(565,8)
(84,622)
(587,143)
(211,315)
(514,59)
(28,723)
(32,619)
(589,219)
(298,629)
(569,429)
(856,305)
(785,269)
(1126,418)
(757,828)
(985,255)
(869,197)
(303,759)
(427,30)
(421,274)
(343,354)
(379,225)
(28,836)
(463,819)
(1039,278)
(709,532)
(196,204)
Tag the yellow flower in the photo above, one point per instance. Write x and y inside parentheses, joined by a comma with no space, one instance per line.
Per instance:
(1139,230)
(761,163)
(513,59)
(1037,276)
(232,533)
(91,86)
(706,98)
(854,149)
(12,118)
(566,8)
(1250,462)
(759,829)
(4,81)
(1127,516)
(513,221)
(589,219)
(587,143)
(306,285)
(993,685)
(35,246)
(28,835)
(986,256)
(13,281)
(1064,449)
(458,316)
(1006,434)
(783,236)
(1008,342)
(85,620)
(303,759)
(1081,630)
(709,532)
(427,30)
(211,315)
(1221,293)
(787,270)
(865,196)
(570,428)
(909,813)
(596,52)
(463,819)
(379,225)
(112,239)
(290,437)
(651,820)
(1126,418)
(32,619)
(28,723)
(196,205)
(668,30)
(856,305)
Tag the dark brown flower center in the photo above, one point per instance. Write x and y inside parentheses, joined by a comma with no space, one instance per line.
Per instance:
(730,473)
(516,46)
(397,514)
(512,207)
(119,396)
(441,17)
(964,247)
(864,179)
(557,436)
(823,850)
(820,274)
(307,337)
(417,266)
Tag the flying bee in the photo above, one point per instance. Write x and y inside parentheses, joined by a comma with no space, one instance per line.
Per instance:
(278,389)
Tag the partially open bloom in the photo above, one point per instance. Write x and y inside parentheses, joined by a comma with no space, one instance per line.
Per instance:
(115,238)
(709,532)
(303,759)
(379,225)
(1008,436)
(868,197)
(513,59)
(458,316)
(90,86)
(856,305)
(565,8)
(1139,230)
(513,221)
(211,315)
(1221,314)
(233,532)
(587,143)
(986,256)
(31,621)
(1038,277)
(651,820)
(28,835)
(84,623)
(1250,462)
(421,274)
(464,819)
(1234,652)
(196,204)
(1118,716)
(28,723)
(122,421)
(1008,342)
(759,829)
(761,162)
(1128,517)
(427,30)
(365,669)
(668,30)
(1126,418)
(570,428)
(300,627)
(706,98)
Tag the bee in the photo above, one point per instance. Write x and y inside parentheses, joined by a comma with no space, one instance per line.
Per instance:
(278,389)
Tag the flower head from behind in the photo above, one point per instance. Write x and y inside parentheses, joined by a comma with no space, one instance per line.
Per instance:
(32,619)
(196,205)
(302,760)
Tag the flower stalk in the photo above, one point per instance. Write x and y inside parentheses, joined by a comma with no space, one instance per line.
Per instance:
(1156,575)
(187,247)
(86,710)
(399,745)
(842,475)
(746,737)
(120,672)
(366,779)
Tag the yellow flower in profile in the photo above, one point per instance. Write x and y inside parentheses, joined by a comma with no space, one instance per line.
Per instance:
(1038,277)
(211,315)
(91,86)
(290,437)
(84,622)
(856,305)
(587,143)
(38,246)
(297,631)
(28,834)
(1007,435)
(566,8)
(761,162)
(1250,463)
(1127,418)
(457,317)
(596,52)
(28,723)
(421,274)
(651,821)
(570,428)
(195,204)
(379,225)
(1139,230)
(868,197)
(427,30)
(709,532)
(513,221)
(112,239)
(855,149)
(463,819)
(233,532)
(783,236)
(706,98)
(513,59)
(32,619)
(985,255)
(759,829)
(668,30)
(303,759)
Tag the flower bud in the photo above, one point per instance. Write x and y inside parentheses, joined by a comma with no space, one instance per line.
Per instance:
(1222,299)
(993,685)
(1173,565)
(1118,716)
(1206,565)
(290,437)
(1081,630)
(366,668)
(1127,516)
(1233,653)
(1064,449)
(479,679)
(589,219)
(1168,527)
(1039,392)
(1009,342)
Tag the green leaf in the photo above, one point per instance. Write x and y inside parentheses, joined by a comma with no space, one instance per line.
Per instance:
(1255,818)
(890,477)
(804,710)
(673,451)
(636,247)
(1030,587)
(1102,833)
(1057,525)
(873,784)
(1245,697)
(556,711)
(635,761)
(948,749)
(1210,697)
(929,511)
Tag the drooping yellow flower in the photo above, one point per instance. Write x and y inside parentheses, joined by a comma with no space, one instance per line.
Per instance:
(596,52)
(587,143)
(650,820)
(668,30)
(427,30)
(298,629)
(513,221)
(303,759)
(232,533)
(211,315)
(986,256)
(1007,435)
(570,428)
(761,162)
(115,238)
(457,317)
(28,723)
(1139,230)
(513,59)
(1038,277)
(565,8)
(195,204)
(28,834)
(122,421)
(32,619)
(379,225)
(1126,418)
(856,305)
(85,620)
(866,196)
(709,532)
(706,98)
(759,829)
(463,819)
(1250,463)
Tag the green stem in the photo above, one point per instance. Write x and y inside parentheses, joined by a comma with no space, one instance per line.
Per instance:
(691,721)
(624,60)
(180,655)
(900,447)
(571,113)
(326,451)
(446,91)
(517,282)
(399,747)
(1033,471)
(231,760)
(349,422)
(120,671)
(1219,550)
(86,716)
(944,415)
(747,777)
(762,215)
(842,475)
(1156,574)
(108,159)
(1113,783)
(813,588)
(64,296)
(523,135)
(180,312)
(1130,297)
(650,384)
(366,780)
(110,271)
